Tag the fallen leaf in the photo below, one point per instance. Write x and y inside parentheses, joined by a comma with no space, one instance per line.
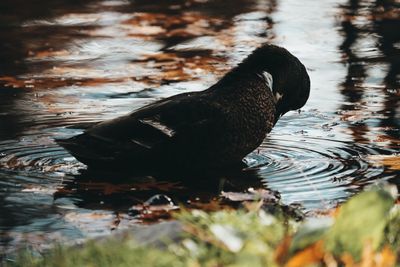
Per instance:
(311,255)
(390,161)
(48,54)
(251,195)
(55,82)
(282,250)
(386,258)
(362,219)
(368,253)
(313,230)
(9,81)
(347,259)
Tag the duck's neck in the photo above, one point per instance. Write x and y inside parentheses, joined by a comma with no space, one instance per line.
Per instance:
(247,76)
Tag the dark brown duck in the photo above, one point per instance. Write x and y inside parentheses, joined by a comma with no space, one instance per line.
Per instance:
(213,128)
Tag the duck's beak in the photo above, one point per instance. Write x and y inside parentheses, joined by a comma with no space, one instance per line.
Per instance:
(278,113)
(277,117)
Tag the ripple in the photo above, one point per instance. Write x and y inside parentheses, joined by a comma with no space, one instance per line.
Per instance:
(40,155)
(315,172)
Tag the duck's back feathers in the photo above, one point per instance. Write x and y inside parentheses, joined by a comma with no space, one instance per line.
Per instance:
(155,132)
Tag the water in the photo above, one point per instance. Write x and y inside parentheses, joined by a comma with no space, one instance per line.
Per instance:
(78,62)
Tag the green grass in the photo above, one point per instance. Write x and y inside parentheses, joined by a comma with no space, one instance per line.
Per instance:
(251,238)
(110,253)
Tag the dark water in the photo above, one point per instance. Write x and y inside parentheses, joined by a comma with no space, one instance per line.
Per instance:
(64,63)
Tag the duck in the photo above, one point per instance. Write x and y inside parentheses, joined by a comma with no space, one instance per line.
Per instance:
(210,129)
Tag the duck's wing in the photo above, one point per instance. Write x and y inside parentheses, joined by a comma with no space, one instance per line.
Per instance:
(143,132)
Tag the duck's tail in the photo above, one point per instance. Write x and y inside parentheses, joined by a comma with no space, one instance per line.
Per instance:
(88,150)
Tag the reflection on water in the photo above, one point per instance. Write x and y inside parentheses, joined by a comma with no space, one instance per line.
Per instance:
(78,62)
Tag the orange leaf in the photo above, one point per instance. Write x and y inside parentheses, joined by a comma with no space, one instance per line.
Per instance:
(390,161)
(368,255)
(347,259)
(310,255)
(281,251)
(386,258)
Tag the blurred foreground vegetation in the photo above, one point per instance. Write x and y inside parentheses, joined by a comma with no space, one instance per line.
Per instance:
(362,232)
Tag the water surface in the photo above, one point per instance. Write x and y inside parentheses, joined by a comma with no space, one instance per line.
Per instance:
(78,62)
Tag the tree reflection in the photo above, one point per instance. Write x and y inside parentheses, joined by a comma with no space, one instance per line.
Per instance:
(387,24)
(363,19)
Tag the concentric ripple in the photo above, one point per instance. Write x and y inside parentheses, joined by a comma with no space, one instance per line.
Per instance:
(314,172)
(33,154)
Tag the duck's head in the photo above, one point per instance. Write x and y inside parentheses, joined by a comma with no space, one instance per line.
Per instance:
(290,81)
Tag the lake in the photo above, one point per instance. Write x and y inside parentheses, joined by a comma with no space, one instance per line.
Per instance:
(64,64)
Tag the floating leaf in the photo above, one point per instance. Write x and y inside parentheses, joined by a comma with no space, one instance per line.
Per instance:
(390,161)
(251,195)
